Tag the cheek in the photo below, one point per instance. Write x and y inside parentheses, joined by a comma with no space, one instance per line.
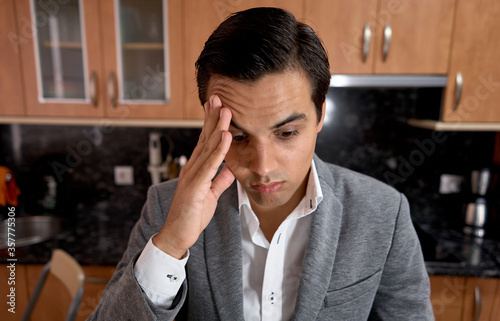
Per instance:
(235,158)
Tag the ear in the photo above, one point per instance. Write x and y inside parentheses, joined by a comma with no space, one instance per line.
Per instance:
(323,110)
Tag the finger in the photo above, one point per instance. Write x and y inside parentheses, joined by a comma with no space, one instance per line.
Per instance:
(222,181)
(212,115)
(215,150)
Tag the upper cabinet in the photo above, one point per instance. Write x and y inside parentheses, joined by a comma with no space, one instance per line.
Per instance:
(102,58)
(61,58)
(11,88)
(200,20)
(142,49)
(472,92)
(384,36)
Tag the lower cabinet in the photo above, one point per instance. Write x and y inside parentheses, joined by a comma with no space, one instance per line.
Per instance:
(465,299)
(13,289)
(452,298)
(480,295)
(447,297)
(53,301)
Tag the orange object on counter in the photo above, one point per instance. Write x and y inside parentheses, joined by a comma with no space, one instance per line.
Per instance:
(8,188)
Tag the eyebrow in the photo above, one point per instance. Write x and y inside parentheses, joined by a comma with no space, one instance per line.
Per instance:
(293,117)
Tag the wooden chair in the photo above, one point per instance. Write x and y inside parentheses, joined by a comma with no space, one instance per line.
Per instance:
(64,267)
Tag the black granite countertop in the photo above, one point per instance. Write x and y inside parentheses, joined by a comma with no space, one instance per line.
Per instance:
(98,239)
(449,251)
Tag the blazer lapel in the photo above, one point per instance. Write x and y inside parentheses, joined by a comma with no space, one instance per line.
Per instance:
(321,249)
(223,256)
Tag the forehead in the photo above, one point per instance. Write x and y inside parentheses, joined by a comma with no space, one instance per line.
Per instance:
(269,99)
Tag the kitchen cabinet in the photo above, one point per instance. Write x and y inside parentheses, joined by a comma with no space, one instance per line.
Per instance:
(61,59)
(142,46)
(447,297)
(11,87)
(200,20)
(495,315)
(466,299)
(384,36)
(120,59)
(479,299)
(13,278)
(49,308)
(472,93)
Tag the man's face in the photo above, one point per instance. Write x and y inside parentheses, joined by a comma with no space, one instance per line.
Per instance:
(274,127)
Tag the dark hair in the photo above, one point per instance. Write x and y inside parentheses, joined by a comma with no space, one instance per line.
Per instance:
(253,43)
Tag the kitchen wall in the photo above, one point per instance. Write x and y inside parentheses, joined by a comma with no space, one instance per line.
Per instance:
(364,130)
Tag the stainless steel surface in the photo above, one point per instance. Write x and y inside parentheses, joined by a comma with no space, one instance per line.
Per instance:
(367,38)
(476,213)
(480,180)
(475,217)
(93,88)
(387,41)
(112,89)
(388,81)
(29,230)
(477,303)
(459,82)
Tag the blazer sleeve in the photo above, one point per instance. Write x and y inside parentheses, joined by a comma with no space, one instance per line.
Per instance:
(404,290)
(123,298)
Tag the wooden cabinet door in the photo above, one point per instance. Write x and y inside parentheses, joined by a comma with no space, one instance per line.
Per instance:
(341,25)
(61,68)
(421,36)
(11,87)
(13,279)
(53,304)
(200,20)
(475,54)
(495,314)
(479,299)
(447,297)
(143,50)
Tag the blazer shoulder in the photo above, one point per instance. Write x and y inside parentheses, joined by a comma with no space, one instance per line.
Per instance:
(358,189)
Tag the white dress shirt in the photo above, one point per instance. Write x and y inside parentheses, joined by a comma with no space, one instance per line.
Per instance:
(271,270)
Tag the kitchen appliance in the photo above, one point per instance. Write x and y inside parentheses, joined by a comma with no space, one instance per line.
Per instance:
(476,210)
(163,169)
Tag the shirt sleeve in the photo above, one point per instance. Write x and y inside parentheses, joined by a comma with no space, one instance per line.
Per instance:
(159,274)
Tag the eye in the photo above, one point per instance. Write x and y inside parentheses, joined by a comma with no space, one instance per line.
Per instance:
(287,134)
(239,138)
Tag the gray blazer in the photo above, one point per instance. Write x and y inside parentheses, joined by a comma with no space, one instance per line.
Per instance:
(363,260)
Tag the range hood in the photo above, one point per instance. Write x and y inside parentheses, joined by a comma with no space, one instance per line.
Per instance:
(388,81)
(409,81)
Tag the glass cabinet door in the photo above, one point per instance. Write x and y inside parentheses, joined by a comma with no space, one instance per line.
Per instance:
(61,57)
(60,51)
(142,51)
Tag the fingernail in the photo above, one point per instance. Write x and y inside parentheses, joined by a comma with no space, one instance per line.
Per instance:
(220,113)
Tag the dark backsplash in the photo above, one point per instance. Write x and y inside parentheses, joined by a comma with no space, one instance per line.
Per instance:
(364,131)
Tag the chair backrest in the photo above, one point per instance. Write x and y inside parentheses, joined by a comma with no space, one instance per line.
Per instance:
(64,267)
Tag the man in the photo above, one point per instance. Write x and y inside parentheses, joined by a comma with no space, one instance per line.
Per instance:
(276,234)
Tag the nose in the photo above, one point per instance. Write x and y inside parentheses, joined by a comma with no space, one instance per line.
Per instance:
(262,160)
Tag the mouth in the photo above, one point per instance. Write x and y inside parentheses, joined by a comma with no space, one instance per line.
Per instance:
(267,188)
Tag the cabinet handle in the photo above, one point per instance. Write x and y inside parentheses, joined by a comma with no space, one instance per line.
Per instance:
(387,41)
(112,89)
(367,38)
(459,83)
(93,88)
(477,303)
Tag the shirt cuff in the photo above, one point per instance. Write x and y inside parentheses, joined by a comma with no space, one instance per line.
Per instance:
(159,274)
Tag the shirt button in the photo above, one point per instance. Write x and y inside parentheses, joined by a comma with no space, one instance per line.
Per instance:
(271,298)
(173,277)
